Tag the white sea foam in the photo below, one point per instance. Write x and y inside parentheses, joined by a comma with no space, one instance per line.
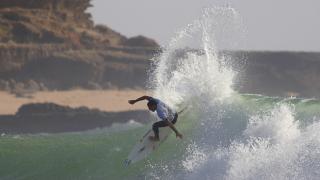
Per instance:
(197,74)
(230,142)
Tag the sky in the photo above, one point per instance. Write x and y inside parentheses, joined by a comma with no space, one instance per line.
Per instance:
(292,25)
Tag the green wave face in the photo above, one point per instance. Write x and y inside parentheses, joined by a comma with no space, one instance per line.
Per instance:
(63,156)
(90,155)
(99,154)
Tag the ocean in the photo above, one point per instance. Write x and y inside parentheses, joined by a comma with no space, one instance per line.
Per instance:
(227,135)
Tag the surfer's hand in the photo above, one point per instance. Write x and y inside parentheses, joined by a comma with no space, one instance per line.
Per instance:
(132,101)
(179,135)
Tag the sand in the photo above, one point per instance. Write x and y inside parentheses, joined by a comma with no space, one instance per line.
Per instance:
(106,100)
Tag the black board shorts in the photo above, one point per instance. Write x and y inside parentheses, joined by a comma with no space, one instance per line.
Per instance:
(175,118)
(159,124)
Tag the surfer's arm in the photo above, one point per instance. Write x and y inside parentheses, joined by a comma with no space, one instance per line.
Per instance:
(174,129)
(139,99)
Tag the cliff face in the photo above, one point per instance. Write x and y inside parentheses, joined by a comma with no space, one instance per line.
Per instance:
(280,73)
(55,44)
(57,22)
(58,69)
(54,24)
(67,9)
(74,5)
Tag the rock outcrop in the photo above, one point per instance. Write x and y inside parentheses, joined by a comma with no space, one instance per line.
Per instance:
(54,118)
(55,44)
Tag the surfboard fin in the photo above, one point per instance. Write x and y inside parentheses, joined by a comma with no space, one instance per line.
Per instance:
(127,162)
(140,150)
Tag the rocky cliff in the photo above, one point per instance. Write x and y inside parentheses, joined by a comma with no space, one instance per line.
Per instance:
(279,73)
(53,118)
(55,45)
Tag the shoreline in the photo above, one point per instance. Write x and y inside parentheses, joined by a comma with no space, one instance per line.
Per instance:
(104,100)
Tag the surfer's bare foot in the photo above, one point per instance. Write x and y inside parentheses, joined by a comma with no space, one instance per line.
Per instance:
(152,138)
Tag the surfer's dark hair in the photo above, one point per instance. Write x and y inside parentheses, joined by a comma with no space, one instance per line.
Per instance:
(152,103)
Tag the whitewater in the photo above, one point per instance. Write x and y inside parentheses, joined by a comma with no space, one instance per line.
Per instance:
(227,135)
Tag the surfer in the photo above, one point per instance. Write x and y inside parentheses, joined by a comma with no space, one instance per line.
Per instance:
(167,115)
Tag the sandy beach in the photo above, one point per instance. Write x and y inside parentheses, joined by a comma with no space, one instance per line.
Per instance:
(106,100)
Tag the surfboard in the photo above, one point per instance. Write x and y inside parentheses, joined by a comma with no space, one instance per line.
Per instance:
(145,146)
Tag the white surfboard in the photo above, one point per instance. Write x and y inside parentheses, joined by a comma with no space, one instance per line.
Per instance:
(145,146)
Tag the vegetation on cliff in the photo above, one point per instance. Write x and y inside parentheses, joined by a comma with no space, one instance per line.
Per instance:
(56,44)
(58,21)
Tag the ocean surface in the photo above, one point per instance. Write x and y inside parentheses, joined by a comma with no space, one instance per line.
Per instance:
(227,135)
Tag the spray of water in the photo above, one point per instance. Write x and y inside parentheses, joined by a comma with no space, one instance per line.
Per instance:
(231,141)
(182,75)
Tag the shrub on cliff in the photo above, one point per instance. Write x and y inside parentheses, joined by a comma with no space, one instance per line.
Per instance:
(141,41)
(76,6)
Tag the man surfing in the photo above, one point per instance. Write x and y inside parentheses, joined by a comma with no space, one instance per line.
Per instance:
(167,115)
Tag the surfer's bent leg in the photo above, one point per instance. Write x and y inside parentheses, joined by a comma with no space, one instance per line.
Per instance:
(157,125)
(175,118)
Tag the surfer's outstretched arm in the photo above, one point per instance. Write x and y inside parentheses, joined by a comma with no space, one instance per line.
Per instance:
(139,99)
(174,129)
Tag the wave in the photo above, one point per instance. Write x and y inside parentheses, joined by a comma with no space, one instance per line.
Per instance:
(234,136)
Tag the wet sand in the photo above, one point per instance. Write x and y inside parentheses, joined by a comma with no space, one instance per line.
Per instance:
(105,100)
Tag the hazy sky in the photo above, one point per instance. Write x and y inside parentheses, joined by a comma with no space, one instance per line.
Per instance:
(270,24)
